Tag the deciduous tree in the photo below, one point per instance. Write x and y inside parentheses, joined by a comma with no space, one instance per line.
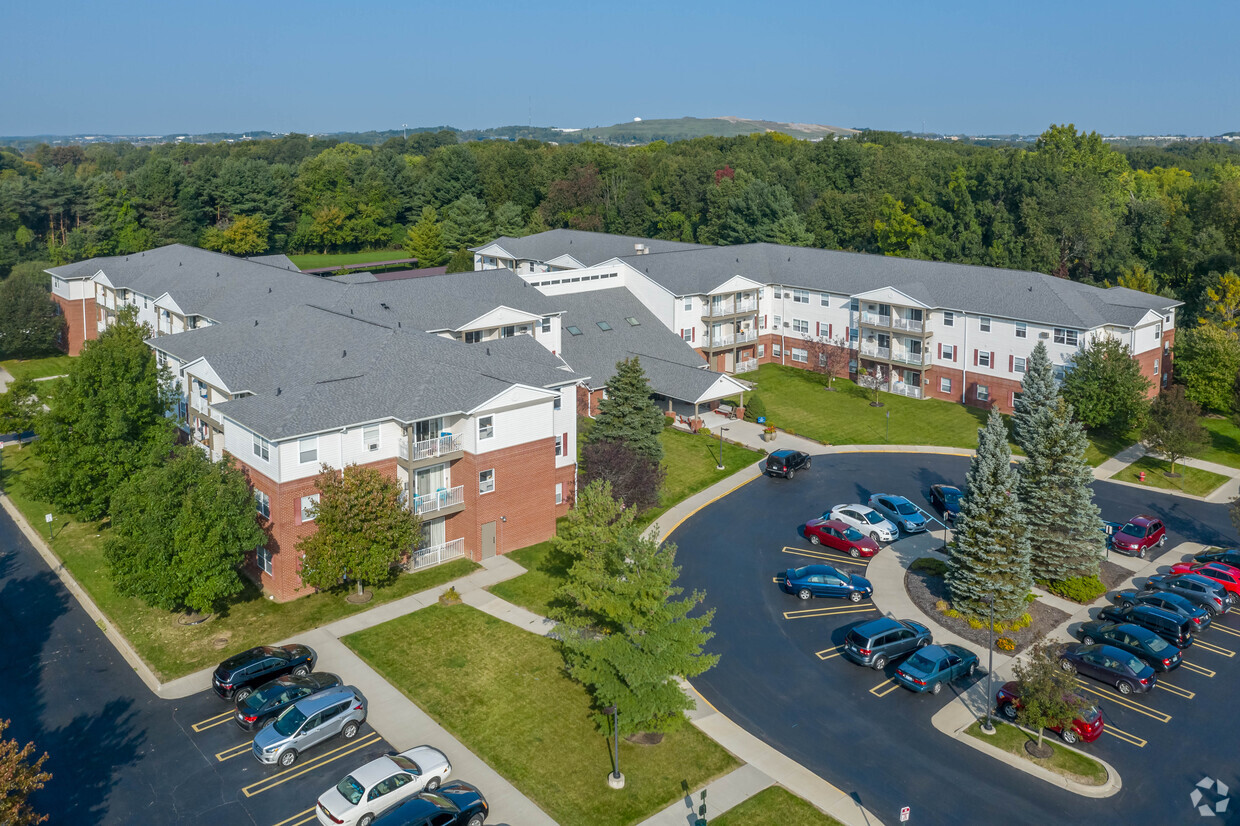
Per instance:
(627,414)
(243,235)
(596,519)
(19,404)
(1174,427)
(1207,359)
(635,478)
(1106,387)
(1048,693)
(1223,307)
(20,774)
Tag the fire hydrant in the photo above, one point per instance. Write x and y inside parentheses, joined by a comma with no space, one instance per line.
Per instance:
(1141,476)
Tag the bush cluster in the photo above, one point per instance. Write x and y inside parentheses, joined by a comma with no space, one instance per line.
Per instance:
(1082,589)
(929,565)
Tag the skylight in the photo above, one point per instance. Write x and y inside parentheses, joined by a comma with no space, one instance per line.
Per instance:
(632,321)
(573,330)
(603,325)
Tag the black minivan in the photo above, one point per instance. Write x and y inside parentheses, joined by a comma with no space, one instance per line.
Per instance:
(785,463)
(1171,627)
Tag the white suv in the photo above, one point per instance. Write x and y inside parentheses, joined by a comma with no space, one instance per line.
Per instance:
(865,519)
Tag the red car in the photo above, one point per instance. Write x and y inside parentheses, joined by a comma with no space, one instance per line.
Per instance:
(1224,575)
(1139,535)
(840,537)
(1087,727)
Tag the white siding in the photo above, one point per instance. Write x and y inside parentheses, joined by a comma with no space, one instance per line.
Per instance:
(354,449)
(564,421)
(239,441)
(518,416)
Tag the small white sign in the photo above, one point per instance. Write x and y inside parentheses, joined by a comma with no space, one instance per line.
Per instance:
(904,813)
(47,517)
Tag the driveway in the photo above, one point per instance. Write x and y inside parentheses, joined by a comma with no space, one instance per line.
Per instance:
(779,676)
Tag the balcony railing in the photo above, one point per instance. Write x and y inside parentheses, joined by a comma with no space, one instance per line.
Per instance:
(875,351)
(746,365)
(875,320)
(435,554)
(906,390)
(722,308)
(746,336)
(915,359)
(430,448)
(439,500)
(721,340)
(906,324)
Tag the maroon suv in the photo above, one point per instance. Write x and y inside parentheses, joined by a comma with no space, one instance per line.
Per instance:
(1139,535)
(1088,726)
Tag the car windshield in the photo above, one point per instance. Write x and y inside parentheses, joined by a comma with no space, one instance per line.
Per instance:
(1133,664)
(1133,530)
(1088,714)
(291,720)
(442,801)
(406,764)
(905,508)
(951,497)
(852,534)
(351,790)
(872,517)
(259,698)
(918,662)
(1157,645)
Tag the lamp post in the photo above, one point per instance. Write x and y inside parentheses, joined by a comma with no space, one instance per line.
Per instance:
(889,427)
(720,465)
(989,599)
(615,779)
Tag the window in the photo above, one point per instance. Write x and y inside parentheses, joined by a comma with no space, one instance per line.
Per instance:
(1067,337)
(486,481)
(486,427)
(262,504)
(852,365)
(1157,331)
(800,326)
(573,330)
(778,292)
(603,325)
(559,493)
(688,303)
(776,352)
(370,437)
(1022,330)
(556,403)
(1155,367)
(1016,398)
(632,321)
(945,385)
(983,393)
(1018,364)
(983,358)
(824,300)
(262,448)
(984,323)
(308,505)
(263,558)
(853,305)
(686,335)
(473,336)
(1060,371)
(559,445)
(800,296)
(778,322)
(799,355)
(854,334)
(507,332)
(546,324)
(949,352)
(949,319)
(822,359)
(761,351)
(308,449)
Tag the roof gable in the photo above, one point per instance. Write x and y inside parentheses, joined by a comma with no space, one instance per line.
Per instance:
(890,295)
(736,284)
(501,316)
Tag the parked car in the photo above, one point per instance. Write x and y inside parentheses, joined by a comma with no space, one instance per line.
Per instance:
(865,519)
(786,463)
(1224,575)
(1171,627)
(238,676)
(947,499)
(876,642)
(335,712)
(270,699)
(929,668)
(1168,601)
(1227,556)
(840,537)
(907,516)
(824,581)
(1087,726)
(1135,639)
(456,804)
(1138,535)
(381,784)
(1108,664)
(1205,592)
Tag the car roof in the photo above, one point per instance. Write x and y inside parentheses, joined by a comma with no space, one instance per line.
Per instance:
(328,697)
(807,570)
(878,626)
(1156,611)
(1137,630)
(1142,519)
(784,452)
(378,769)
(895,497)
(409,810)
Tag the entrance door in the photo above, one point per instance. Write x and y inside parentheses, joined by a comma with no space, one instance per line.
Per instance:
(427,429)
(488,540)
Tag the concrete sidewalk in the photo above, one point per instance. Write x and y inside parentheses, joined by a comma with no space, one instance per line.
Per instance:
(1225,492)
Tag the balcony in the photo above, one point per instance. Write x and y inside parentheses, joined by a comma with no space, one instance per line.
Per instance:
(875,319)
(914,359)
(901,389)
(746,366)
(746,336)
(435,554)
(874,351)
(909,324)
(722,340)
(730,308)
(430,451)
(449,500)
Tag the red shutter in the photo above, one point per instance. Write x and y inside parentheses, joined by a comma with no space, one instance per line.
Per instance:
(818,328)
(974,358)
(1011,363)
(564,446)
(940,351)
(992,360)
(693,334)
(764,323)
(828,331)
(297,513)
(955,351)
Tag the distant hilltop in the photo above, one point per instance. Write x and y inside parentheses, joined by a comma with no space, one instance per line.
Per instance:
(676,129)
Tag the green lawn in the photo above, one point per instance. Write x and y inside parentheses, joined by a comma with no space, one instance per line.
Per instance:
(1224,446)
(39,368)
(503,693)
(535,588)
(1104,444)
(1192,480)
(314,262)
(1070,764)
(169,648)
(773,806)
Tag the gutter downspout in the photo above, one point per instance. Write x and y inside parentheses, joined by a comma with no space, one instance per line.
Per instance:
(964,362)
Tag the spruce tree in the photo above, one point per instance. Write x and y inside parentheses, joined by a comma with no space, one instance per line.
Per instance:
(1037,391)
(628,414)
(990,552)
(425,240)
(1057,496)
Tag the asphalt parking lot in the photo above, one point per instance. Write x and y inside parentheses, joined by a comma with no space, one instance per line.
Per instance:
(782,678)
(117,753)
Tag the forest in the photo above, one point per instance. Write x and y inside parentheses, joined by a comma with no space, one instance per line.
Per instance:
(1160,219)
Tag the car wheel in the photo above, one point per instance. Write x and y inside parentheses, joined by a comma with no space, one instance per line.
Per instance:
(874,536)
(1162,540)
(1008,710)
(791,473)
(855,596)
(288,758)
(807,461)
(300,671)
(1123,687)
(972,669)
(1231,598)
(1067,666)
(1124,604)
(813,538)
(1141,554)
(936,688)
(1087,640)
(476,819)
(804,593)
(350,730)
(854,553)
(432,784)
(241,693)
(879,662)
(366,819)
(1068,736)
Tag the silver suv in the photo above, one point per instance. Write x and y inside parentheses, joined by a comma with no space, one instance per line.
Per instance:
(335,711)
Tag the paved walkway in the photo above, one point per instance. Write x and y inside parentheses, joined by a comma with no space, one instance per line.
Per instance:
(1225,492)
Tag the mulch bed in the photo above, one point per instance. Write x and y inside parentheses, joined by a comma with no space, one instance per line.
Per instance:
(926,590)
(1112,574)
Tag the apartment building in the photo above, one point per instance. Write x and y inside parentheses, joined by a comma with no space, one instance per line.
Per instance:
(918,328)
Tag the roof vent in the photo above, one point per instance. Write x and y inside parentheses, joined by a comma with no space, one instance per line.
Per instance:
(398,325)
(738,260)
(350,311)
(217,275)
(277,391)
(488,351)
(789,257)
(1031,289)
(269,290)
(256,322)
(344,353)
(178,263)
(384,306)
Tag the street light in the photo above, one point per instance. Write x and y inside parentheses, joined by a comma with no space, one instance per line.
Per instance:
(615,779)
(989,599)
(720,465)
(888,427)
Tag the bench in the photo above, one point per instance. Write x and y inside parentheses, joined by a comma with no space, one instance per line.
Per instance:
(726,410)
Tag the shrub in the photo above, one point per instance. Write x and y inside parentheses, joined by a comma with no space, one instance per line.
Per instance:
(929,565)
(755,408)
(1023,621)
(1005,644)
(1081,589)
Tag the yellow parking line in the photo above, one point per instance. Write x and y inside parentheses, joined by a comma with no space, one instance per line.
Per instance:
(1126,703)
(1197,669)
(830,557)
(235,751)
(210,722)
(880,691)
(828,653)
(1174,689)
(1214,649)
(310,765)
(290,821)
(827,612)
(1114,732)
(1220,627)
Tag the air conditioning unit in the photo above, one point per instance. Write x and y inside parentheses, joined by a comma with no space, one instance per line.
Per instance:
(1044,335)
(786,324)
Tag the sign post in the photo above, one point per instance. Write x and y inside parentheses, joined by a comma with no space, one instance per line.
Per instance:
(904,813)
(47,517)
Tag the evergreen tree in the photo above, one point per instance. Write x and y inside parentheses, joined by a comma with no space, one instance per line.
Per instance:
(461,261)
(1037,391)
(628,414)
(19,405)
(467,223)
(990,552)
(31,324)
(1056,494)
(509,220)
(425,241)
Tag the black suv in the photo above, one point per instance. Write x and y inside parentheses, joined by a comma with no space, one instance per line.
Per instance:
(238,676)
(269,699)
(785,463)
(1171,627)
(1166,600)
(452,804)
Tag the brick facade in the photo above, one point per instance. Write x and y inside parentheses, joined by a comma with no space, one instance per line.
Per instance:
(80,319)
(1155,364)
(566,477)
(522,505)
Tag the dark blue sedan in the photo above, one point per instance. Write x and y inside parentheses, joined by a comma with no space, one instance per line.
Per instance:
(930,667)
(824,581)
(947,499)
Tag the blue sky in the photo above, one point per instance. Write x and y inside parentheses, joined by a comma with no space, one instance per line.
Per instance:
(158,68)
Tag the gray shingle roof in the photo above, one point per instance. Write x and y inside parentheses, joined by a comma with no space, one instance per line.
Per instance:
(282,261)
(589,248)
